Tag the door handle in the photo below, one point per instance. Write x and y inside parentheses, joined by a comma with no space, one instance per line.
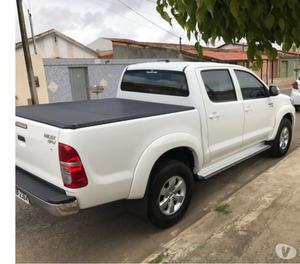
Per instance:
(248,109)
(271,104)
(214,116)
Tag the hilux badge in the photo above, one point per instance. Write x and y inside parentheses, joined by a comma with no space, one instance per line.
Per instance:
(51,139)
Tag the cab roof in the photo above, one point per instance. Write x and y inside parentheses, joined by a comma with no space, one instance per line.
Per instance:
(176,66)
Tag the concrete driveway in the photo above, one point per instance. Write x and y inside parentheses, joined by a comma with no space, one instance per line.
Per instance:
(110,233)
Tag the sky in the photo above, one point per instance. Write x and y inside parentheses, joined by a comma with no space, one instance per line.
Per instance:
(87,20)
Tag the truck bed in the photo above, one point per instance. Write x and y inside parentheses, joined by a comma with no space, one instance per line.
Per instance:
(79,114)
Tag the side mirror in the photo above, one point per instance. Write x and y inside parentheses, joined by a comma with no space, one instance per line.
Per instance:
(274,90)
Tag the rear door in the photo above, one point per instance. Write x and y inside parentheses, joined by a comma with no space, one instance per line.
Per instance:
(258,107)
(224,113)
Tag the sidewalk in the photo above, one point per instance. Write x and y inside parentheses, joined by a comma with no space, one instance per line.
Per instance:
(248,225)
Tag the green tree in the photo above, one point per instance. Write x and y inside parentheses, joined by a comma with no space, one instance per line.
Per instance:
(261,23)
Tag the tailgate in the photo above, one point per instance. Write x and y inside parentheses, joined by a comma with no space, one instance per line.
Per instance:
(37,150)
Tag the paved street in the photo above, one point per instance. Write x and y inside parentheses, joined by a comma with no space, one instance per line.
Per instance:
(264,230)
(110,233)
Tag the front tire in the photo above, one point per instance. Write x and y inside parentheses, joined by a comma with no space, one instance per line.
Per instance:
(283,139)
(170,193)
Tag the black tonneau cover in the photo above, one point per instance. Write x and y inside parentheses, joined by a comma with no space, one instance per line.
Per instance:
(80,114)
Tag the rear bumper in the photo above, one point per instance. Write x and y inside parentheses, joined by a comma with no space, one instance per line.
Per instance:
(45,195)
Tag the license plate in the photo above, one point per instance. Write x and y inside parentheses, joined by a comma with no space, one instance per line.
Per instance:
(22,196)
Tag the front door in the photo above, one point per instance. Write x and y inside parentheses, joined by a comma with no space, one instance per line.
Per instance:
(79,83)
(258,108)
(224,114)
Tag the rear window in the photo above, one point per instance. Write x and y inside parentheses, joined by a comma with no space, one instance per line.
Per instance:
(219,86)
(155,82)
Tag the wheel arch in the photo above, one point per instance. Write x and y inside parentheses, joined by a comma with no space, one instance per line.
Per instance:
(169,146)
(286,112)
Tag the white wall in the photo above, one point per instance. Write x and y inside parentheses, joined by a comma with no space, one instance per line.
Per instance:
(49,47)
(235,47)
(101,44)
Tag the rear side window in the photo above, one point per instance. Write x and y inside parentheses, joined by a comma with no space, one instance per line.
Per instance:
(251,87)
(218,85)
(155,82)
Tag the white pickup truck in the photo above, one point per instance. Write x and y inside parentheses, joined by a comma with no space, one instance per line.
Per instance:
(171,123)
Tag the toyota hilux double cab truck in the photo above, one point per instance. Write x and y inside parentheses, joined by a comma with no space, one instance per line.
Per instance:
(171,123)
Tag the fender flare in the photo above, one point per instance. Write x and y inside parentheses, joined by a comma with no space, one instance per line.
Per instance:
(288,109)
(154,151)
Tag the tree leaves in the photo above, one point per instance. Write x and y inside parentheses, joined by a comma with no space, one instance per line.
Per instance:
(234,8)
(281,23)
(199,48)
(210,6)
(261,23)
(269,21)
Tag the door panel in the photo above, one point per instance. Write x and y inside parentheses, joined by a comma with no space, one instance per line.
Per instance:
(224,114)
(258,108)
(79,83)
(258,120)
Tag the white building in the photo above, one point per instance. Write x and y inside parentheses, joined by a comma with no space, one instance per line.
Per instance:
(54,44)
(101,44)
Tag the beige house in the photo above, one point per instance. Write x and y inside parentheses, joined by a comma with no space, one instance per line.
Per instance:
(54,44)
(22,87)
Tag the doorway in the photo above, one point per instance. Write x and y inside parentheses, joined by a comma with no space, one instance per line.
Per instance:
(79,83)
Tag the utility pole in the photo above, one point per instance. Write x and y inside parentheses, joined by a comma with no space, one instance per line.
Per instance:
(272,74)
(30,75)
(180,48)
(32,33)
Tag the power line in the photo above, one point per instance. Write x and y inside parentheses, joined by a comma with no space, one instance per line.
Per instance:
(150,21)
(118,7)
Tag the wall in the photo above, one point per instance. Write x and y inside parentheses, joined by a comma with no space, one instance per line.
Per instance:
(51,47)
(22,86)
(58,81)
(101,44)
(234,47)
(287,66)
(137,52)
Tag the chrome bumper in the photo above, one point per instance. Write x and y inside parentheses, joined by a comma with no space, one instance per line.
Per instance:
(44,195)
(61,209)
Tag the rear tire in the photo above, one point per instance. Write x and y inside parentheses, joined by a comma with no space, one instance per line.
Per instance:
(283,139)
(170,193)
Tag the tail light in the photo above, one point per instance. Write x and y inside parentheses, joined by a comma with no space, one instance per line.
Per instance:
(295,85)
(72,170)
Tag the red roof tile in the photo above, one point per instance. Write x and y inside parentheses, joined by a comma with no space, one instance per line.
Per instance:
(223,55)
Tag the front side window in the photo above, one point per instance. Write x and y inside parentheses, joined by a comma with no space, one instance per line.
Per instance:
(218,85)
(251,87)
(155,82)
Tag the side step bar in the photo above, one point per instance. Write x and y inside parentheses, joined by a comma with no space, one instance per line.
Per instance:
(222,165)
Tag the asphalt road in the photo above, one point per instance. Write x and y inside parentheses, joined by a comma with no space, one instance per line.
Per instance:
(110,233)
